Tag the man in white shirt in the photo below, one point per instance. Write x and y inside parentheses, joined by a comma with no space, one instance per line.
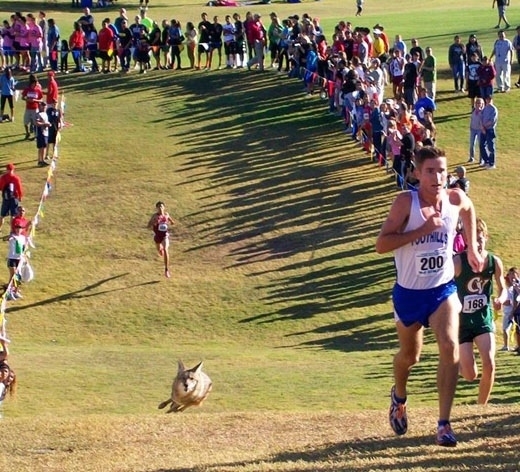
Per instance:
(503,54)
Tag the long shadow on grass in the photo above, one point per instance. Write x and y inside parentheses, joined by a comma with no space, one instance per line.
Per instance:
(296,197)
(81,293)
(401,453)
(283,192)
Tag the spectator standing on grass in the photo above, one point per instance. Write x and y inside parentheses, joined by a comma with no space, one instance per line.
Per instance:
(52,88)
(486,76)
(501,8)
(55,124)
(488,134)
(36,39)
(53,42)
(125,42)
(15,249)
(7,90)
(191,43)
(204,30)
(400,44)
(477,326)
(118,22)
(457,61)
(257,31)
(42,134)
(516,47)
(230,48)
(508,306)
(429,73)
(32,95)
(475,128)
(215,42)
(85,20)
(472,69)
(12,193)
(77,45)
(396,71)
(410,76)
(106,45)
(240,38)
(419,229)
(22,221)
(503,54)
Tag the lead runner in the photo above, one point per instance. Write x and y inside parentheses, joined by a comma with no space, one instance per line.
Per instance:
(419,229)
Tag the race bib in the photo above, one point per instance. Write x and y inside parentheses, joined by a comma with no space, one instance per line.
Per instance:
(430,263)
(163,227)
(473,303)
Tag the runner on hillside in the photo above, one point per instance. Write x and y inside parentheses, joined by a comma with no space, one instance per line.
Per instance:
(159,224)
(420,228)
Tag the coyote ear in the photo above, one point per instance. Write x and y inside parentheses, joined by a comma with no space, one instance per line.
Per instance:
(197,368)
(181,366)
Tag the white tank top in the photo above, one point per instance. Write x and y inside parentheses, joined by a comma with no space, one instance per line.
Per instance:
(428,261)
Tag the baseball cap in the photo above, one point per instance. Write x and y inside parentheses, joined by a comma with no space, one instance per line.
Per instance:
(10,166)
(460,170)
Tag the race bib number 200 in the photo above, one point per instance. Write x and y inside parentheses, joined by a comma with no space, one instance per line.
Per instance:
(430,263)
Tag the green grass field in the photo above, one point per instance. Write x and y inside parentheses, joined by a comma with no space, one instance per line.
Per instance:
(276,284)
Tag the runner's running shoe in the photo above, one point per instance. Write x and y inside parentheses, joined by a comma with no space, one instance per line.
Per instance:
(445,436)
(397,414)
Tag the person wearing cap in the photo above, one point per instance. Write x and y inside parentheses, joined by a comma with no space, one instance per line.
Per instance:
(42,133)
(516,47)
(379,47)
(21,220)
(501,8)
(503,54)
(12,193)
(460,181)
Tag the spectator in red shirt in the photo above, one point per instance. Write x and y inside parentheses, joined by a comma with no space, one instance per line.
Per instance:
(12,193)
(32,95)
(52,88)
(106,45)
(257,34)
